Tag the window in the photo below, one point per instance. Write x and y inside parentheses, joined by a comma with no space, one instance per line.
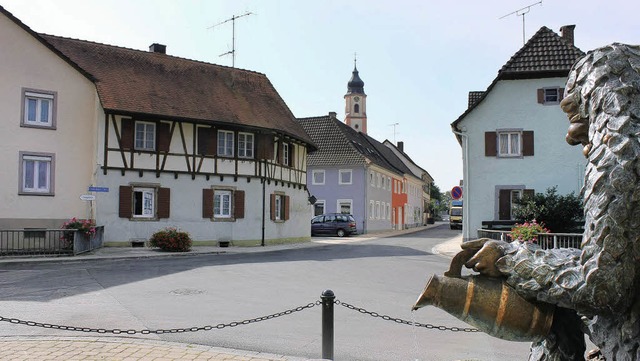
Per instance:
(222,204)
(245,145)
(39,108)
(317,176)
(318,208)
(356,108)
(372,179)
(507,198)
(388,211)
(286,159)
(279,207)
(36,173)
(344,206)
(371,210)
(551,95)
(144,202)
(509,144)
(225,143)
(344,176)
(145,136)
(377,210)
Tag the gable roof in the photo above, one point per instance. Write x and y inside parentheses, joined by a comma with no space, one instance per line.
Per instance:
(339,144)
(155,84)
(389,144)
(545,55)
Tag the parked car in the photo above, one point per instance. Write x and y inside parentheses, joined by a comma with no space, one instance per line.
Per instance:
(333,223)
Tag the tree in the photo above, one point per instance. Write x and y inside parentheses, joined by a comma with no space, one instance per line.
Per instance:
(560,214)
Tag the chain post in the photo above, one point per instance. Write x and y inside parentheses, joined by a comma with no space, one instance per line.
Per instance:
(328,298)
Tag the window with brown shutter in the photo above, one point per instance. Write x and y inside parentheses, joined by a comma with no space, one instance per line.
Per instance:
(126,134)
(540,96)
(504,204)
(164,136)
(238,204)
(164,203)
(490,144)
(124,204)
(272,207)
(206,141)
(291,155)
(207,203)
(286,208)
(265,146)
(527,143)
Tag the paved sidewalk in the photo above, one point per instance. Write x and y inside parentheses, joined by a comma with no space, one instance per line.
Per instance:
(139,349)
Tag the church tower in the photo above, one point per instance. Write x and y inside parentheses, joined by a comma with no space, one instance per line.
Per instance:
(356,102)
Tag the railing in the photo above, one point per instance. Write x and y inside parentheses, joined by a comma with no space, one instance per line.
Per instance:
(545,240)
(34,242)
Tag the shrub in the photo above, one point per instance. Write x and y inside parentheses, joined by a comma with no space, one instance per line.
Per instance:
(561,213)
(172,240)
(88,226)
(528,231)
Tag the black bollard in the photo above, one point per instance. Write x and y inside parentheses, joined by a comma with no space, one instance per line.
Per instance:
(327,324)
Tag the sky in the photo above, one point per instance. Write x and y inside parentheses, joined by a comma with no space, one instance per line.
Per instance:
(417,58)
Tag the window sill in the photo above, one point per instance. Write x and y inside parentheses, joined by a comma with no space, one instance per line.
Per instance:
(38,126)
(45,194)
(217,219)
(143,219)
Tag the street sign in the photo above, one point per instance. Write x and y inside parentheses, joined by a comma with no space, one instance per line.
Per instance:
(98,189)
(456,192)
(88,197)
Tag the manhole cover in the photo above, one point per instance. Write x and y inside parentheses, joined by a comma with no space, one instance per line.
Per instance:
(186,292)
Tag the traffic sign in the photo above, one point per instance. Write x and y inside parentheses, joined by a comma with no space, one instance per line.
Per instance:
(456,192)
(88,197)
(98,189)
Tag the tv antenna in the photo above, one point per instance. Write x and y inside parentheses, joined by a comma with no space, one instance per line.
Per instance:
(522,12)
(233,35)
(394,125)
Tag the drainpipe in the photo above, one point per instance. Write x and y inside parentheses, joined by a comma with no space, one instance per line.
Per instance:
(465,183)
(264,182)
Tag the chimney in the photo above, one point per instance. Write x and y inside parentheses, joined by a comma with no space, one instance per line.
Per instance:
(567,33)
(158,48)
(401,146)
(333,114)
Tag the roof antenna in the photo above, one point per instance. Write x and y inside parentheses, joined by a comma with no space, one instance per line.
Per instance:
(233,35)
(394,131)
(522,12)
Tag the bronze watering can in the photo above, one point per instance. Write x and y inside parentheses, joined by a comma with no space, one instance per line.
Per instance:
(487,303)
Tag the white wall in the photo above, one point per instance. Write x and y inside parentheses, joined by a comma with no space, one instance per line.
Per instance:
(186,210)
(513,104)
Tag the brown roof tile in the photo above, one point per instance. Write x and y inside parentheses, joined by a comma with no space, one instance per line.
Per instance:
(156,84)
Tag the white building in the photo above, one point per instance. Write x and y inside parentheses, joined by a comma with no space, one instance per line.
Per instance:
(210,149)
(513,134)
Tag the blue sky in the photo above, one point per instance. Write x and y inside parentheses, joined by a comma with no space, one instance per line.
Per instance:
(418,59)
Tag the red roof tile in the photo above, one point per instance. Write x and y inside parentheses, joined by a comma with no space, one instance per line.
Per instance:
(156,84)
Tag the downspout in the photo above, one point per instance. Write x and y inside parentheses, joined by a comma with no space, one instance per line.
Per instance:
(264,182)
(465,184)
(365,200)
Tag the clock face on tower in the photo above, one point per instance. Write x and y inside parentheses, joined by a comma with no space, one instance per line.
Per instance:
(356,99)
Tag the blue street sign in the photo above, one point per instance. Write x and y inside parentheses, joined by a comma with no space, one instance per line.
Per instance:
(98,189)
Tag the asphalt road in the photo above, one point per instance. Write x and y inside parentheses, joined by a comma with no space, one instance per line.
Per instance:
(381,275)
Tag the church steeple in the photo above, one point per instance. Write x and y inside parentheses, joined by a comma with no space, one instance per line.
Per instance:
(356,102)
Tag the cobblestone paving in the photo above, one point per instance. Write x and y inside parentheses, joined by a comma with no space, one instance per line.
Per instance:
(119,349)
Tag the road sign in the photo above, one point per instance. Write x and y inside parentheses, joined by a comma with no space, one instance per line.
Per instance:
(98,189)
(456,192)
(88,197)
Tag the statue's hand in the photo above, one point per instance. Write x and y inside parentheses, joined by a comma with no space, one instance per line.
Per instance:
(484,261)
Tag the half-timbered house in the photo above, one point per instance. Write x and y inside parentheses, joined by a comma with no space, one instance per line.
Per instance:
(212,150)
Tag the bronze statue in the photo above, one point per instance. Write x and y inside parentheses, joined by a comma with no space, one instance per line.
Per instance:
(596,289)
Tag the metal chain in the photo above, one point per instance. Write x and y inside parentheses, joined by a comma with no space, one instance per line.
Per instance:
(220,326)
(116,331)
(405,322)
